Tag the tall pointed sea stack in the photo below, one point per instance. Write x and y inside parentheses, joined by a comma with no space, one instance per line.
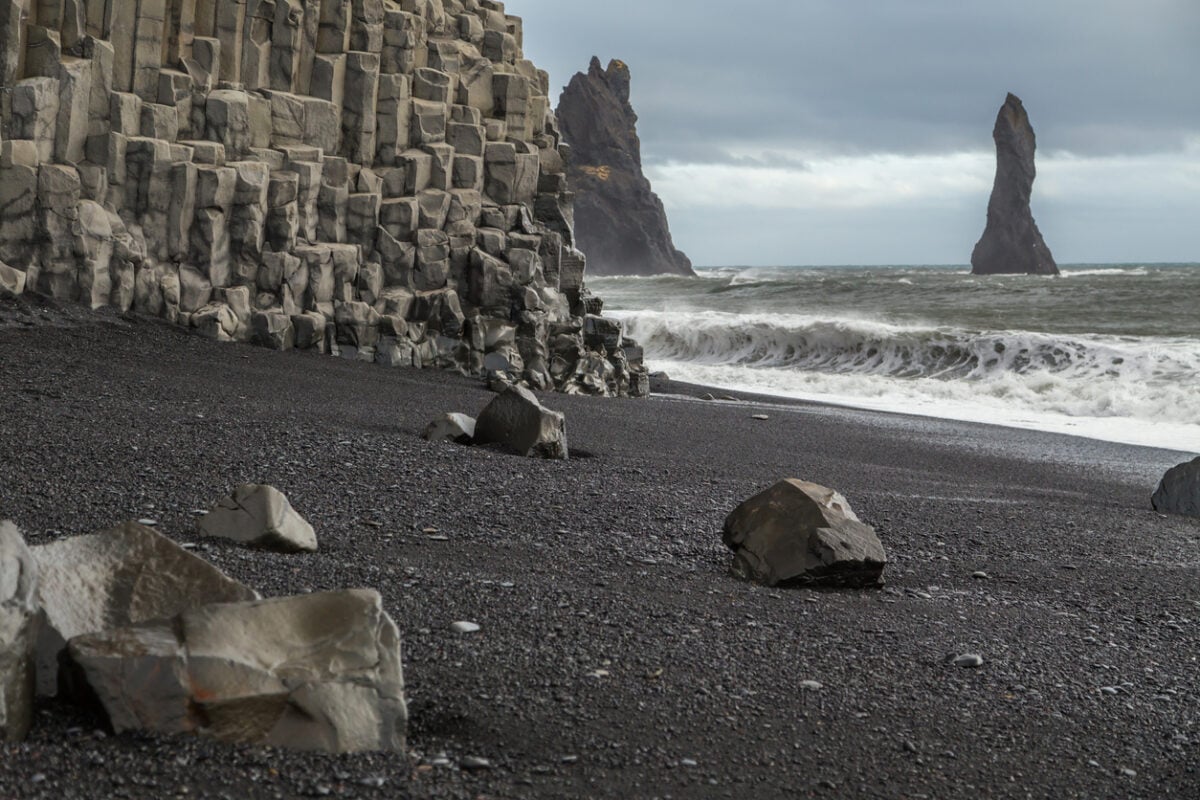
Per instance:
(1011,242)
(619,221)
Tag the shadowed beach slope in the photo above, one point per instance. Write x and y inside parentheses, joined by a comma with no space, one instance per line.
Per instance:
(617,658)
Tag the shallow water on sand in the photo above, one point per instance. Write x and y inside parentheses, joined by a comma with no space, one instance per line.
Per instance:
(1110,352)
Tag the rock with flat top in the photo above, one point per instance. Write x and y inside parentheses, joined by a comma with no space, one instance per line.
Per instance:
(116,578)
(457,428)
(516,421)
(801,534)
(259,516)
(1179,491)
(18,633)
(317,672)
(1011,242)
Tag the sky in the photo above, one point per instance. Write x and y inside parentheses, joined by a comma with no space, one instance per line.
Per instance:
(825,132)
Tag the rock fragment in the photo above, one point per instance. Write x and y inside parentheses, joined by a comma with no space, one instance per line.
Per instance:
(18,633)
(801,534)
(518,422)
(457,428)
(1179,491)
(260,516)
(314,672)
(119,577)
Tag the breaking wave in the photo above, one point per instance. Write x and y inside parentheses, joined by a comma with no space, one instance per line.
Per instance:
(1145,378)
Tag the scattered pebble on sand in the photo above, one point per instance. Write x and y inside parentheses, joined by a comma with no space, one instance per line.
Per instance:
(761,417)
(464,627)
(474,762)
(812,686)
(969,661)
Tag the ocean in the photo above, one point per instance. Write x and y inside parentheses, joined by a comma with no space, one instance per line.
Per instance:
(1109,352)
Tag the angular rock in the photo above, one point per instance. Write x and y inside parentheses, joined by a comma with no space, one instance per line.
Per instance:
(260,516)
(315,672)
(1179,491)
(516,420)
(1011,242)
(619,220)
(800,534)
(18,633)
(121,576)
(457,428)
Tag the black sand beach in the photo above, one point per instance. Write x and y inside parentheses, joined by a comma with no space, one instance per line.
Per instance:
(617,657)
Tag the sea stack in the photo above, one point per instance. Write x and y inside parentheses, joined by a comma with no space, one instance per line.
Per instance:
(620,222)
(1012,243)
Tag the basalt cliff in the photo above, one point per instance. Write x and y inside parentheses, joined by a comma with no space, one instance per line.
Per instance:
(1011,242)
(620,221)
(382,180)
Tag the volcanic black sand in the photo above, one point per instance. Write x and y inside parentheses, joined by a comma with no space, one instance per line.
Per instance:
(617,657)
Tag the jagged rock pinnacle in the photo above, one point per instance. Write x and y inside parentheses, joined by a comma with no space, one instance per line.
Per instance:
(1012,243)
(620,222)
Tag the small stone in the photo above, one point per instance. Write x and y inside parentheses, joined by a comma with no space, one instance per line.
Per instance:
(464,627)
(687,762)
(969,661)
(570,759)
(812,686)
(148,522)
(474,763)
(980,576)
(1126,772)
(761,417)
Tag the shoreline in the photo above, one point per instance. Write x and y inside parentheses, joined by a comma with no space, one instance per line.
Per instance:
(617,657)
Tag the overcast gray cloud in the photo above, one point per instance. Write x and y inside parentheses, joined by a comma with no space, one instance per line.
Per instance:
(827,87)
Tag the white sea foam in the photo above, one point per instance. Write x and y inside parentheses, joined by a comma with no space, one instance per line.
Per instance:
(1140,390)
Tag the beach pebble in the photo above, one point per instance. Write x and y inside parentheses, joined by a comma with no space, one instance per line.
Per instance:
(464,627)
(969,661)
(688,762)
(811,686)
(1126,772)
(148,522)
(761,417)
(474,762)
(980,575)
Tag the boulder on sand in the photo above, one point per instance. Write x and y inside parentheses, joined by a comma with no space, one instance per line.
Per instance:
(518,422)
(457,428)
(313,672)
(799,533)
(1179,491)
(18,633)
(260,516)
(119,577)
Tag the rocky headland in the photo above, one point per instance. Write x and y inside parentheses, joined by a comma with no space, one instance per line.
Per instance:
(620,222)
(382,180)
(1011,242)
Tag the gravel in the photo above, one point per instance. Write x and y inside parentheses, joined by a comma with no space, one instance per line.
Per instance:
(611,564)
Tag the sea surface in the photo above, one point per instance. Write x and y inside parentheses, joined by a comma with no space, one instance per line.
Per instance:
(1109,352)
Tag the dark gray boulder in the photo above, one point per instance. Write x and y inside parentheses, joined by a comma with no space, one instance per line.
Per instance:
(1179,491)
(620,223)
(1012,243)
(516,421)
(801,534)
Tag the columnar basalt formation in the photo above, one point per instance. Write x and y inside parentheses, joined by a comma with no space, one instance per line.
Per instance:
(378,179)
(1011,242)
(621,223)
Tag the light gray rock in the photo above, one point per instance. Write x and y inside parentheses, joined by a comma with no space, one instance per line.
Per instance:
(799,533)
(119,577)
(260,516)
(12,281)
(18,633)
(1179,491)
(458,428)
(315,672)
(517,421)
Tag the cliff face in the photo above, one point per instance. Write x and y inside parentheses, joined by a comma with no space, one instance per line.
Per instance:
(378,179)
(620,222)
(1011,242)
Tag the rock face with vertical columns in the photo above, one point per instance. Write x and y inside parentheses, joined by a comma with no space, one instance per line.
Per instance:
(621,223)
(376,179)
(1011,242)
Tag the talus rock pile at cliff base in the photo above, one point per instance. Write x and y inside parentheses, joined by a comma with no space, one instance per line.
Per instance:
(368,177)
(620,221)
(1011,242)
